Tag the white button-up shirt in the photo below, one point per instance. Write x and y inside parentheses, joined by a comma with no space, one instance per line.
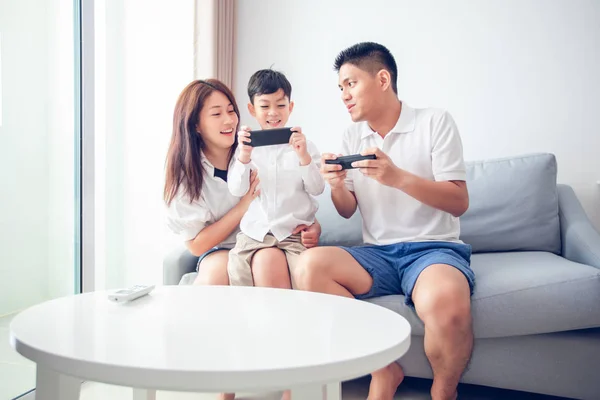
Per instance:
(286,190)
(187,218)
(425,142)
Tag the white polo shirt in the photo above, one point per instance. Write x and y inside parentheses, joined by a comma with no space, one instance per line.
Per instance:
(425,142)
(187,219)
(286,190)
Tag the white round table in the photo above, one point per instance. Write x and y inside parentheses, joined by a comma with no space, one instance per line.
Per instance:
(208,339)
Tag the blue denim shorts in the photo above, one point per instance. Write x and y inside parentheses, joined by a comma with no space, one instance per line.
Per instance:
(209,252)
(396,267)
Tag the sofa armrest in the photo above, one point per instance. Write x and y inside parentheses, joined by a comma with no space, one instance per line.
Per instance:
(178,263)
(580,240)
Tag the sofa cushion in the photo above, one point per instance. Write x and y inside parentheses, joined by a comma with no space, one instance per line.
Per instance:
(335,229)
(513,205)
(524,293)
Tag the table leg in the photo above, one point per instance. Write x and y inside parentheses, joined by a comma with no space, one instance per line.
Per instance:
(144,394)
(52,385)
(331,391)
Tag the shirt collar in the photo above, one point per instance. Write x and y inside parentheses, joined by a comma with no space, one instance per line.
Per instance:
(207,164)
(405,124)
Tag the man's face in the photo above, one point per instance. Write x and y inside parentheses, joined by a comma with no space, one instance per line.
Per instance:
(360,91)
(271,110)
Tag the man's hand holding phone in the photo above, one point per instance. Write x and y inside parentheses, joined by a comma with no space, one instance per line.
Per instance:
(332,173)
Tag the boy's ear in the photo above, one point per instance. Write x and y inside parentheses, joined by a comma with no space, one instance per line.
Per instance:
(291,106)
(251,110)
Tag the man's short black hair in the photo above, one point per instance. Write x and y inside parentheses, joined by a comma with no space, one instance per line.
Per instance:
(370,57)
(267,81)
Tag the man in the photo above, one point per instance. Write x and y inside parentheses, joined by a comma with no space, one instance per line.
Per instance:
(410,198)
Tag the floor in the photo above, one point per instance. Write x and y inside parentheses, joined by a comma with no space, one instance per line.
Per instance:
(17,376)
(411,389)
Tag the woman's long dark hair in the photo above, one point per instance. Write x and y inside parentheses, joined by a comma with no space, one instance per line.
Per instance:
(183,166)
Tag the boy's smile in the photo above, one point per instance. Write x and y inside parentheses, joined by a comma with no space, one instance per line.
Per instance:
(271,110)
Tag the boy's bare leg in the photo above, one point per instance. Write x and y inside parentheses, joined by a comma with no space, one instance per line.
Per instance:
(333,270)
(443,302)
(270,269)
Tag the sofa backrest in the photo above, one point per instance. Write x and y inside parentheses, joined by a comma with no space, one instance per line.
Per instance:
(513,207)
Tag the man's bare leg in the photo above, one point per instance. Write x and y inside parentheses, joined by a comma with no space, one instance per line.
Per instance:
(334,271)
(226,396)
(443,302)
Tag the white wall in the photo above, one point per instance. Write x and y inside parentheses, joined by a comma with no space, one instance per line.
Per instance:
(518,76)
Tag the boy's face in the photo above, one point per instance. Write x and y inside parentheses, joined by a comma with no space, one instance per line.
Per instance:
(271,110)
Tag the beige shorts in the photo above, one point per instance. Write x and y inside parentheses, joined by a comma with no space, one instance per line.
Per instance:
(240,257)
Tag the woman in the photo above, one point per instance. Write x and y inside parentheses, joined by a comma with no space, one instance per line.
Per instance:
(201,209)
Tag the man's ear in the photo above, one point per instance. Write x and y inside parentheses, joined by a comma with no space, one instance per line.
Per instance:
(251,110)
(291,106)
(384,79)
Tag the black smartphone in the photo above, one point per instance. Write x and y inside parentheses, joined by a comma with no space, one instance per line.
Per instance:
(346,161)
(269,137)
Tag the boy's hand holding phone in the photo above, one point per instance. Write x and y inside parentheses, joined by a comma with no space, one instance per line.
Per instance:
(243,143)
(298,142)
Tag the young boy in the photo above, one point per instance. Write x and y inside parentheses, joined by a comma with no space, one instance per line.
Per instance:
(289,177)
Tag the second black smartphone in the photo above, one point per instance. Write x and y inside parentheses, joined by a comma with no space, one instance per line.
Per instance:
(269,137)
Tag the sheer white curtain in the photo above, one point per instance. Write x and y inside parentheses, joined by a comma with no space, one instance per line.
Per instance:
(147,51)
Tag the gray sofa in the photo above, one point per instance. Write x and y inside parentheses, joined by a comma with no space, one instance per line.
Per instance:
(536,306)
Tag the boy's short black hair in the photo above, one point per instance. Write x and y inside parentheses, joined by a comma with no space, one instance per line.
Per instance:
(267,81)
(370,57)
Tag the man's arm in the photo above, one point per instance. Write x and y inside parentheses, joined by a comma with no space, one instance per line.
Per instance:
(449,196)
(343,199)
(448,191)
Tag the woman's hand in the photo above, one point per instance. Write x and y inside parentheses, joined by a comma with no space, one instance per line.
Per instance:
(253,191)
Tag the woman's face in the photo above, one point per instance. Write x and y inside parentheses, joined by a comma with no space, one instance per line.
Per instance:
(218,121)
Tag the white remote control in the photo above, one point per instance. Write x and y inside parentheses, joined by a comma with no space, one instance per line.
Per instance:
(132,293)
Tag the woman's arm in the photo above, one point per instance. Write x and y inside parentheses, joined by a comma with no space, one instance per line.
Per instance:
(217,232)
